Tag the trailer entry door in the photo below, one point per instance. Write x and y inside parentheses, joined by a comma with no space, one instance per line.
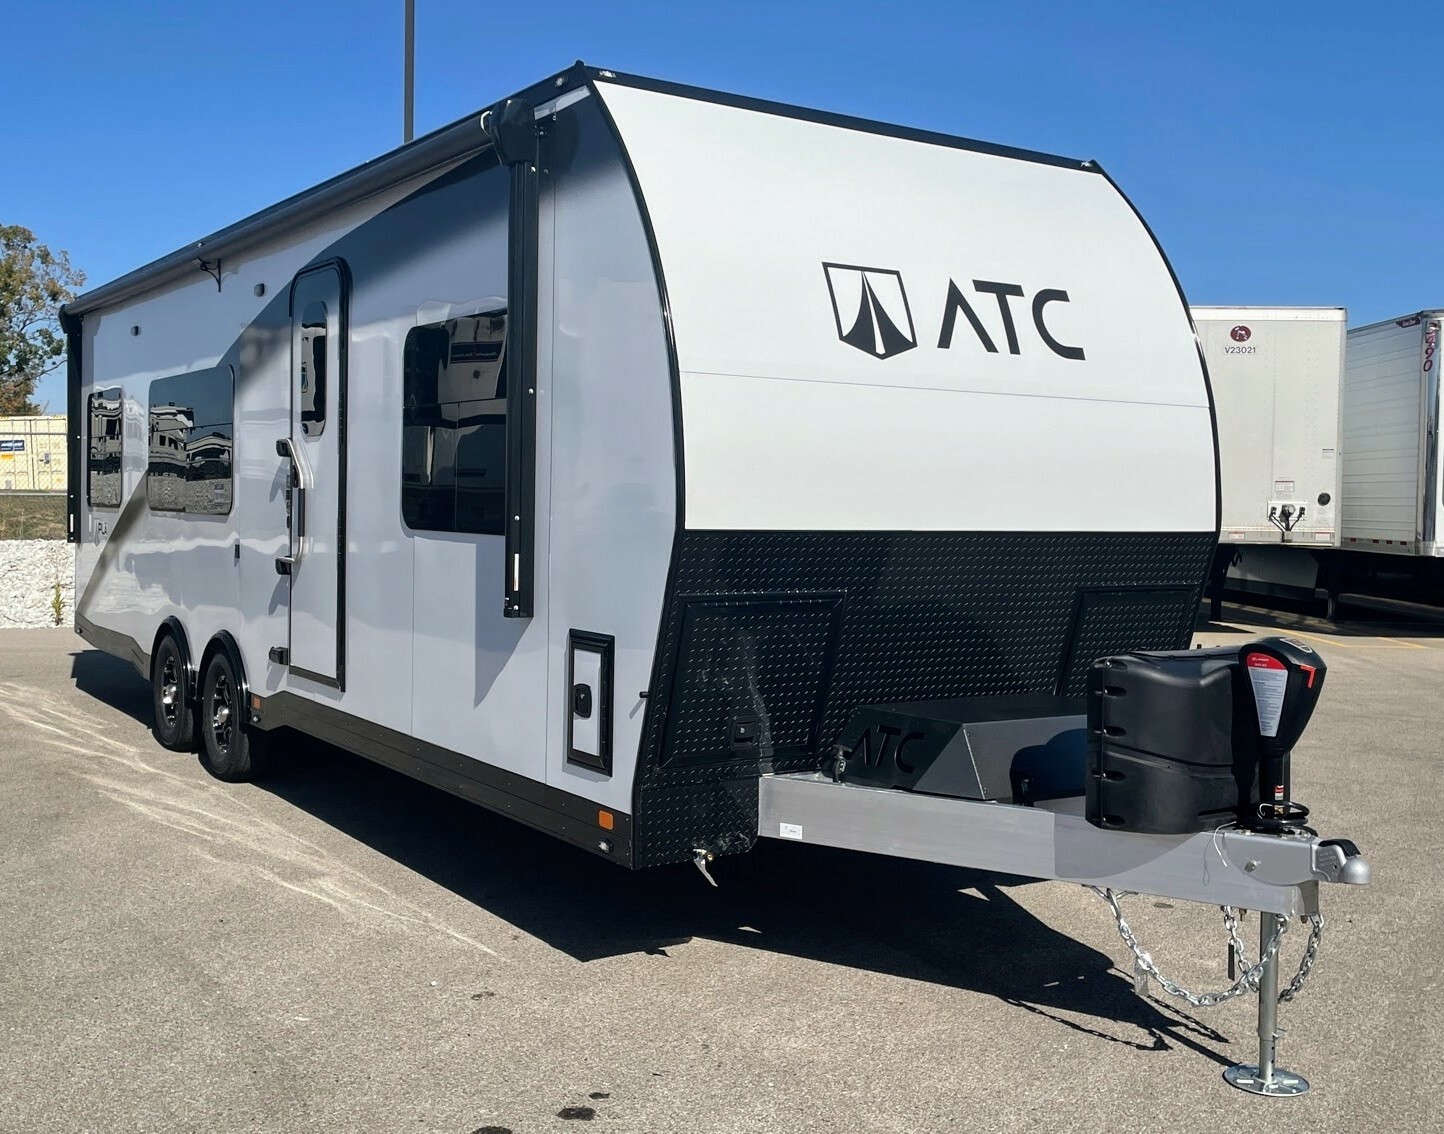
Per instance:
(318,493)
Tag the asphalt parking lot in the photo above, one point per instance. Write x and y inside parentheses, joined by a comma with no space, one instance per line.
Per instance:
(342,949)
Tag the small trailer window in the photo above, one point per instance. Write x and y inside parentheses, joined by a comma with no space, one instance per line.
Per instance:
(313,369)
(453,448)
(106,410)
(189,468)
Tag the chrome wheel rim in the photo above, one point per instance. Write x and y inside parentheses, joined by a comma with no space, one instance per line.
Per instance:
(221,712)
(170,690)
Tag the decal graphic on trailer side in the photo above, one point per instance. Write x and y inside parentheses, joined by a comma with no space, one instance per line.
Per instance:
(871,310)
(878,321)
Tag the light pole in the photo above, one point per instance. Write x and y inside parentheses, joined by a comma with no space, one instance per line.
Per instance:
(409,82)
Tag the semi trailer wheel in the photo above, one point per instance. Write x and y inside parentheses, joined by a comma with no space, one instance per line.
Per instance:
(230,750)
(175,720)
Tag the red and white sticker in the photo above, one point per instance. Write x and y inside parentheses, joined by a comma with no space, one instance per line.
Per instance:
(1269,678)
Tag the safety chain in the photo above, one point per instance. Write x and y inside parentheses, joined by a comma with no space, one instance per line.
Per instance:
(1248,980)
(1306,962)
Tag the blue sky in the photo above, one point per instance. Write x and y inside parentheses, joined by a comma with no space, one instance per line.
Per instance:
(1286,153)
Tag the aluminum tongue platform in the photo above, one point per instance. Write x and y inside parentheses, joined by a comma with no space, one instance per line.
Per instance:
(1226,867)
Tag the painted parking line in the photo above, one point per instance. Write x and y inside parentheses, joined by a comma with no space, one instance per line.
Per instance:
(1361,643)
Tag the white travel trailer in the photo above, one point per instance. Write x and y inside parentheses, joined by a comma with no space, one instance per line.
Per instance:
(608,457)
(1276,375)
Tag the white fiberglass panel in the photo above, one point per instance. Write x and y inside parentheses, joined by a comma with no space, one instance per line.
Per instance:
(862,318)
(971,456)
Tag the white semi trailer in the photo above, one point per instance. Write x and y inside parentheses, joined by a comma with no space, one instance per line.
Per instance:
(1392,483)
(1276,375)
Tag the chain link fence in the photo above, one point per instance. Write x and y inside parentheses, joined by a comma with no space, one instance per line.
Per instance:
(32,515)
(32,453)
(32,477)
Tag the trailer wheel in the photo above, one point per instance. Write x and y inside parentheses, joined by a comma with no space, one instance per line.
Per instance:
(230,750)
(175,719)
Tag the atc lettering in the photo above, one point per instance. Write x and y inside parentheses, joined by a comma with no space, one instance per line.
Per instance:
(1004,293)
(884,744)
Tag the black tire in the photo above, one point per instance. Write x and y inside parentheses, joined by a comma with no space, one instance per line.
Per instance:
(230,750)
(175,718)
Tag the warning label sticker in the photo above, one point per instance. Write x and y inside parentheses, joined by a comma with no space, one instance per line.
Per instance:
(1269,679)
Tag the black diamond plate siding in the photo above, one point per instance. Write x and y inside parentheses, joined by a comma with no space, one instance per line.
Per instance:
(1131,614)
(765,663)
(796,629)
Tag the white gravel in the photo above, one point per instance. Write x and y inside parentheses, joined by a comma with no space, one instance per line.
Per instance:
(29,569)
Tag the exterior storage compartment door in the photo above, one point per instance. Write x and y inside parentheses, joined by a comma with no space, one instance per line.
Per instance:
(589,700)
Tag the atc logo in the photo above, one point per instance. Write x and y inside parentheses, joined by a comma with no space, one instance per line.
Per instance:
(1240,334)
(871,309)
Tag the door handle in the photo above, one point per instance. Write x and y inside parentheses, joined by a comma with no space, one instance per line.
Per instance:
(295,505)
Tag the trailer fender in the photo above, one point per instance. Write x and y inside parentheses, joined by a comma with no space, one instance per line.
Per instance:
(224,643)
(172,627)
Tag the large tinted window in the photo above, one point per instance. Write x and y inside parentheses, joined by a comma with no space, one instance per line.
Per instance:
(453,448)
(191,441)
(106,410)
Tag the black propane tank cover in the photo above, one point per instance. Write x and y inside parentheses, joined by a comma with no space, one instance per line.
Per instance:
(1164,738)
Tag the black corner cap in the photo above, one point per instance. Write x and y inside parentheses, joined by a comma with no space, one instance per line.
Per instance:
(511,126)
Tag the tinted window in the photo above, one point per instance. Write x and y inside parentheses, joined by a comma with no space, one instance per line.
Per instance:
(106,410)
(189,468)
(453,425)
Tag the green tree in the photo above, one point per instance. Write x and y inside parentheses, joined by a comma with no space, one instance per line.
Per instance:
(34,282)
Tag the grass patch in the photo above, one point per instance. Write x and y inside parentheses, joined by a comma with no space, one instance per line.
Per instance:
(32,517)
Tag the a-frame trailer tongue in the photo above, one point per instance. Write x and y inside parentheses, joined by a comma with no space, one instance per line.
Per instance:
(1029,785)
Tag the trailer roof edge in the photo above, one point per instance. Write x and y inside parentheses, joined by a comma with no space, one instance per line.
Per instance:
(842,121)
(455,140)
(1408,319)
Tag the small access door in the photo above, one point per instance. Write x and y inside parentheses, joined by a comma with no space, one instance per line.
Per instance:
(316,450)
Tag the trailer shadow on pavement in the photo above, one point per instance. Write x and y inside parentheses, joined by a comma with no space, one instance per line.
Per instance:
(937,924)
(941,925)
(114,682)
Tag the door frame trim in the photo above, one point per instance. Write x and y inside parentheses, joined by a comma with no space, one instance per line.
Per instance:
(343,323)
